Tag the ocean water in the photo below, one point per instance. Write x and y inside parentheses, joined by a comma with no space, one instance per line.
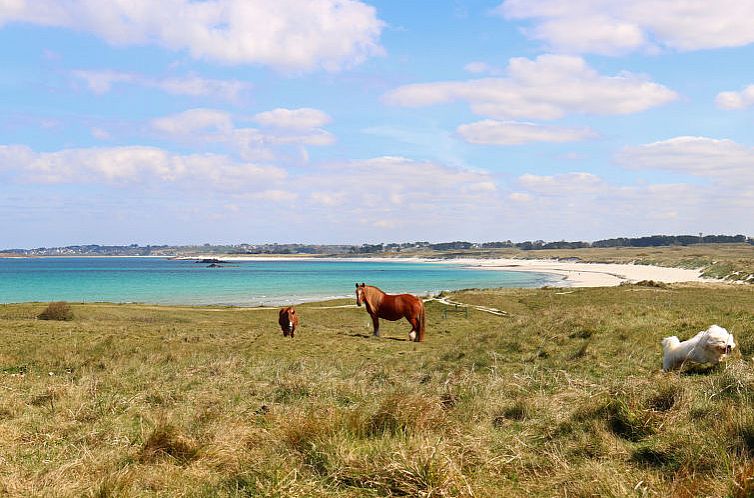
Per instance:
(165,281)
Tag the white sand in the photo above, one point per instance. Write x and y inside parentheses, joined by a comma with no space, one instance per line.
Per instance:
(589,274)
(573,274)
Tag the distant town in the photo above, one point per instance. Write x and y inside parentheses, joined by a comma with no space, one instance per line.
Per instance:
(343,249)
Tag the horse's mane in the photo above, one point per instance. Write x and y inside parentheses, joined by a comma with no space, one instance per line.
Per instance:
(369,297)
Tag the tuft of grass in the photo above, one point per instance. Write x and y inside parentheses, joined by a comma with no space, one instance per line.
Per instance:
(405,413)
(166,441)
(735,381)
(518,411)
(658,454)
(745,341)
(743,483)
(620,418)
(743,433)
(580,352)
(581,334)
(666,396)
(58,310)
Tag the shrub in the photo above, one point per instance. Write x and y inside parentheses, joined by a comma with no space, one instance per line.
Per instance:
(59,310)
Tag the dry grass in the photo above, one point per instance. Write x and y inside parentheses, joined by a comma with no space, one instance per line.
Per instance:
(562,398)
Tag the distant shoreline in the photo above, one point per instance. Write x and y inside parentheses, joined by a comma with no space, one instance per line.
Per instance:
(573,274)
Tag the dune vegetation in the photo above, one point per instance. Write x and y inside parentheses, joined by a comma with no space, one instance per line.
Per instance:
(562,397)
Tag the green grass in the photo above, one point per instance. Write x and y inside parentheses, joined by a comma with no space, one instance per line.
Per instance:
(563,398)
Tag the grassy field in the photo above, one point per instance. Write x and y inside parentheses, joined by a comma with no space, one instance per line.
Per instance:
(564,397)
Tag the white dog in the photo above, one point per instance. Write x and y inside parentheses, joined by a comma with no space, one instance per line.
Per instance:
(708,346)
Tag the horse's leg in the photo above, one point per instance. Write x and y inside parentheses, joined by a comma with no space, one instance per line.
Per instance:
(414,334)
(376,323)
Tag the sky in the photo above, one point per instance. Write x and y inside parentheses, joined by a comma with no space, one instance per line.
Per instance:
(345,121)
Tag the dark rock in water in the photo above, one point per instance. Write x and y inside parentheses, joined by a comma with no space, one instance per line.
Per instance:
(210,260)
(214,265)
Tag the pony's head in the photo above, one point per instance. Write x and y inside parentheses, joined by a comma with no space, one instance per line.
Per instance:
(287,319)
(360,297)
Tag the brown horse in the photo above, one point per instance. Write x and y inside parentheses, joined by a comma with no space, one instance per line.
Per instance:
(288,320)
(392,307)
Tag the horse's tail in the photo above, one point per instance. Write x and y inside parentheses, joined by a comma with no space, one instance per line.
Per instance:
(422,322)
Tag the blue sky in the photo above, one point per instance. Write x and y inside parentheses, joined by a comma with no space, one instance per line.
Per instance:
(342,121)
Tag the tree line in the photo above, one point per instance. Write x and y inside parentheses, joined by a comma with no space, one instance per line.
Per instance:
(529,245)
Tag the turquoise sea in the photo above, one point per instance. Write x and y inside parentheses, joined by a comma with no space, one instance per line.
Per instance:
(248,283)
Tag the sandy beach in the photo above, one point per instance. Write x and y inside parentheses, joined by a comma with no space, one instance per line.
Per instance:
(573,274)
(576,274)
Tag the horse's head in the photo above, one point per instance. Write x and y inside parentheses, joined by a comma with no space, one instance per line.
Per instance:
(287,319)
(360,297)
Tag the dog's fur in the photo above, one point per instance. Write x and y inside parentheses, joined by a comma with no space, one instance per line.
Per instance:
(708,346)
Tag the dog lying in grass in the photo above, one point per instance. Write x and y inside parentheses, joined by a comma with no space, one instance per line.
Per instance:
(708,346)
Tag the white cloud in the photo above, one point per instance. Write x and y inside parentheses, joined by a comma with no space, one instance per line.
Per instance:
(273,196)
(493,132)
(719,159)
(484,186)
(196,86)
(736,100)
(328,199)
(303,118)
(102,81)
(400,192)
(296,35)
(478,67)
(303,137)
(520,197)
(569,183)
(212,127)
(584,206)
(100,134)
(617,27)
(194,120)
(548,87)
(135,165)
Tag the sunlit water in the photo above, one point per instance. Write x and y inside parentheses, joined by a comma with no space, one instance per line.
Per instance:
(164,281)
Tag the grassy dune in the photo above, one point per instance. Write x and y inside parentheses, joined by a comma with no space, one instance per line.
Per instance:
(562,398)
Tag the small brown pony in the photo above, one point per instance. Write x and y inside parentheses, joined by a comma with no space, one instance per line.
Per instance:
(288,320)
(392,307)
